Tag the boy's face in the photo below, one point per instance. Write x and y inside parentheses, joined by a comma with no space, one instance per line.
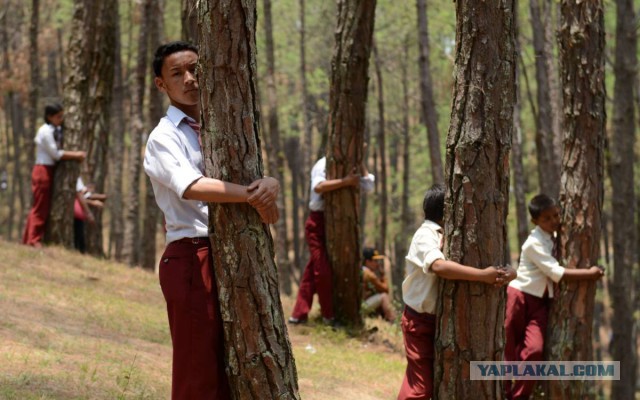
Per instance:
(178,79)
(548,220)
(56,119)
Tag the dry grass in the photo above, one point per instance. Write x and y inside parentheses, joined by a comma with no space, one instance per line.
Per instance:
(74,327)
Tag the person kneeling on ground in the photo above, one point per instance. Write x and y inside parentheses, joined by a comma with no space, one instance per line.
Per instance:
(375,291)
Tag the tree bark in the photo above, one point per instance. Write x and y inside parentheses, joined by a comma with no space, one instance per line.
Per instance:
(152,214)
(471,315)
(260,361)
(380,141)
(623,344)
(34,87)
(548,173)
(292,152)
(276,154)
(347,101)
(582,69)
(428,114)
(519,182)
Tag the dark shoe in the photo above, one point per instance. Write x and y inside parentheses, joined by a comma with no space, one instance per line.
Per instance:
(296,321)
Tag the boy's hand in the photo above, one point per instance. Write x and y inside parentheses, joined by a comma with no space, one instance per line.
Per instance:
(353,179)
(507,274)
(596,272)
(263,199)
(492,276)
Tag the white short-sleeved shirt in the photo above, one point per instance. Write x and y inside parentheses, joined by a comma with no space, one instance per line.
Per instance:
(538,269)
(173,161)
(47,152)
(420,285)
(319,174)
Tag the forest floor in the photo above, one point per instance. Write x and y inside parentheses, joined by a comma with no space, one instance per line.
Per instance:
(75,327)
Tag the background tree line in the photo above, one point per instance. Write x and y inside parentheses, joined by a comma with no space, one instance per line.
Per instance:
(407,114)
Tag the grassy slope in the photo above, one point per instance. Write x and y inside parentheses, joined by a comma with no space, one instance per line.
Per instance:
(73,327)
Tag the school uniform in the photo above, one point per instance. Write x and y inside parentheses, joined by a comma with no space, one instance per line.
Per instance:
(420,294)
(528,306)
(173,161)
(47,154)
(317,273)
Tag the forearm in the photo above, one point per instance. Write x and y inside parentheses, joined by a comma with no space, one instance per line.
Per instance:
(452,270)
(216,191)
(330,185)
(573,274)
(72,155)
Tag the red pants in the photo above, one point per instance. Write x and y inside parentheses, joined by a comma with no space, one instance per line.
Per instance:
(317,273)
(41,182)
(524,327)
(419,331)
(189,288)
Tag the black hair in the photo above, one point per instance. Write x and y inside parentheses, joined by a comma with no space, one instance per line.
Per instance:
(433,203)
(50,110)
(166,50)
(540,203)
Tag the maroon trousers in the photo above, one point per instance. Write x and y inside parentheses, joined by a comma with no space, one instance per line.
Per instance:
(41,182)
(317,273)
(189,288)
(524,326)
(419,331)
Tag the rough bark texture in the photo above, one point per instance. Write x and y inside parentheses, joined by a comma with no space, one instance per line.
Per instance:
(428,113)
(276,154)
(581,194)
(471,315)
(382,175)
(548,171)
(347,101)
(152,214)
(131,248)
(623,344)
(78,125)
(259,358)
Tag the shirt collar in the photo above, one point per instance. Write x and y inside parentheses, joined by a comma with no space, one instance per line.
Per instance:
(432,225)
(176,115)
(545,235)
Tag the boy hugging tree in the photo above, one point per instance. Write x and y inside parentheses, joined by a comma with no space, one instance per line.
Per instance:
(528,295)
(425,264)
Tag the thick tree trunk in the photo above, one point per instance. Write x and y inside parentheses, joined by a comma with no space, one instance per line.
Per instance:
(152,214)
(347,102)
(428,114)
(131,250)
(276,154)
(471,315)
(260,361)
(624,340)
(581,195)
(380,141)
(548,173)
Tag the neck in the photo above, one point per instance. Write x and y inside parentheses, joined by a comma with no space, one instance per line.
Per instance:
(191,111)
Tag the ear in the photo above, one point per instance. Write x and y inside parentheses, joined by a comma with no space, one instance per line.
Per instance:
(159,84)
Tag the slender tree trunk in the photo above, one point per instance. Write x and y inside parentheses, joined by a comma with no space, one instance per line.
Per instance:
(189,17)
(471,315)
(275,154)
(428,114)
(292,152)
(260,361)
(548,174)
(116,224)
(624,340)
(347,102)
(34,87)
(131,248)
(582,69)
(307,159)
(550,21)
(382,176)
(152,214)
(519,182)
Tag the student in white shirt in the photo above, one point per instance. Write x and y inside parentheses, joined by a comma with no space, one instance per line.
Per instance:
(425,264)
(527,296)
(173,161)
(48,152)
(317,273)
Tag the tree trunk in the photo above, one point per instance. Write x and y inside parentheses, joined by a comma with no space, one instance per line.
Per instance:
(548,174)
(581,195)
(116,166)
(275,154)
(428,114)
(189,17)
(471,315)
(550,21)
(34,88)
(382,176)
(623,344)
(152,214)
(292,152)
(259,357)
(131,248)
(347,102)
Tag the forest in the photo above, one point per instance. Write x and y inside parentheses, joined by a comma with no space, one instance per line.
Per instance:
(498,100)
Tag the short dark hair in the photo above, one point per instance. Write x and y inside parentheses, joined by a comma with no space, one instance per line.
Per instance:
(540,203)
(50,110)
(166,50)
(433,203)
